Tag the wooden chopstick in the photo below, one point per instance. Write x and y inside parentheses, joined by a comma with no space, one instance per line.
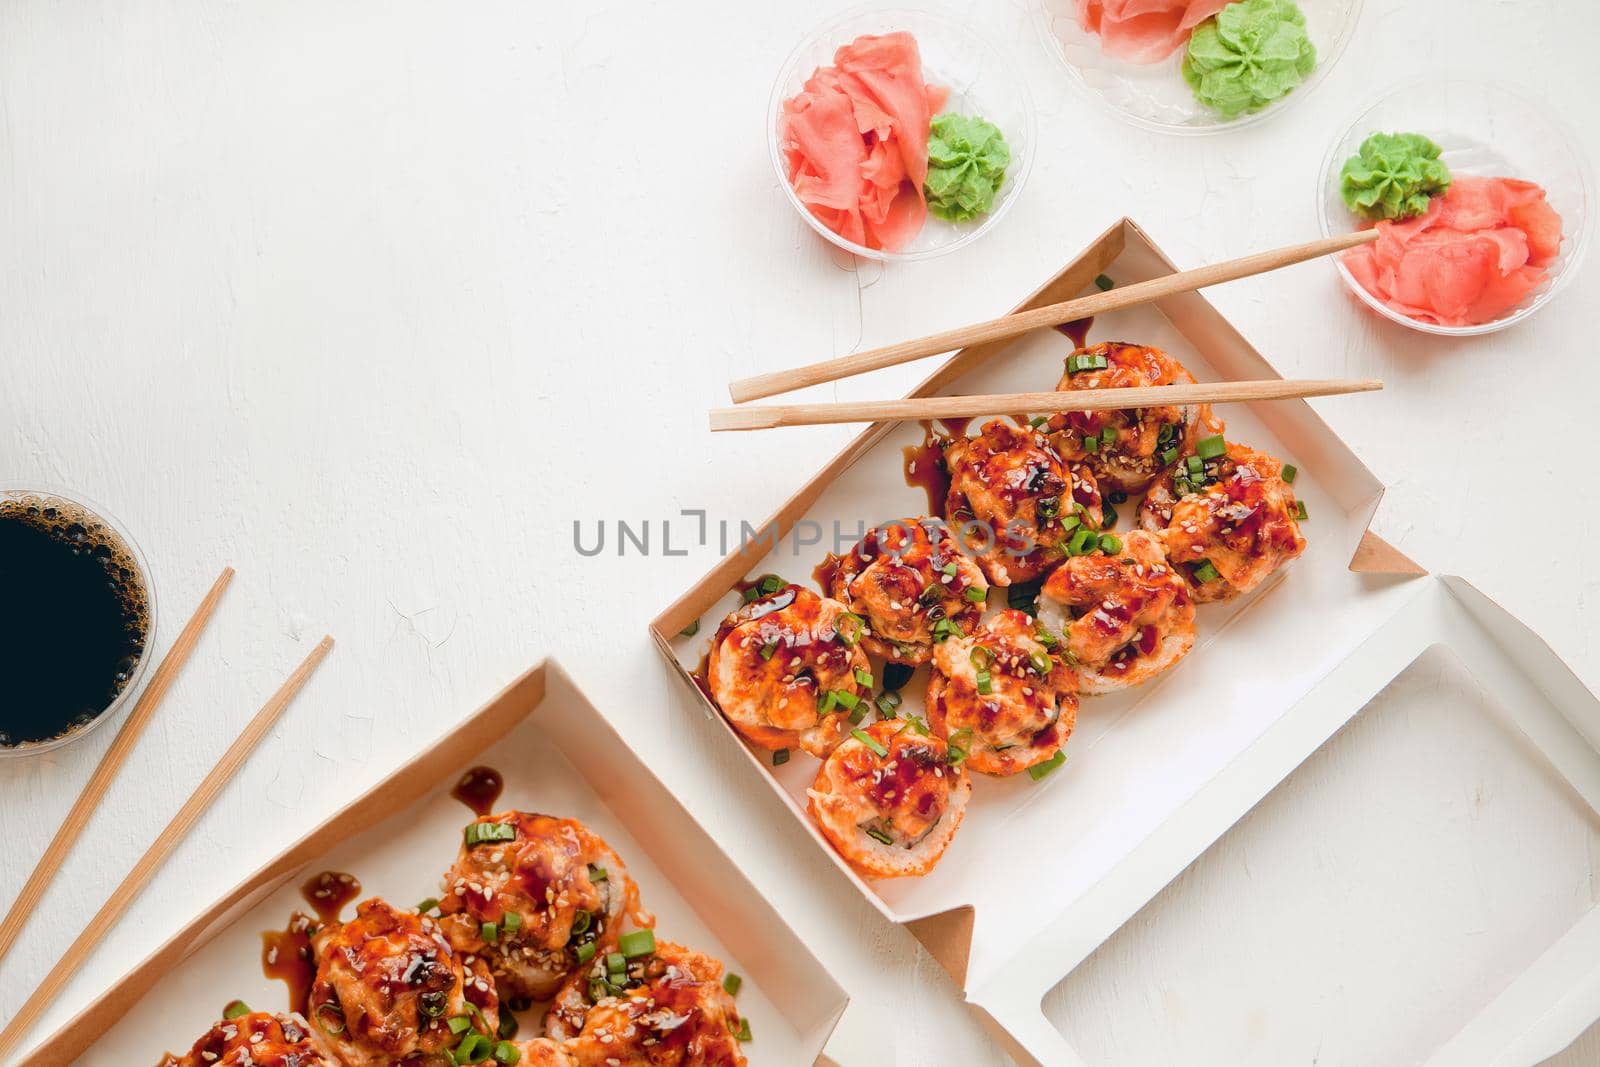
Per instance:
(123,897)
(768,416)
(1007,326)
(95,790)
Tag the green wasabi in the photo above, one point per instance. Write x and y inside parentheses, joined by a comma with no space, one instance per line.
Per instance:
(1251,53)
(967,161)
(1393,176)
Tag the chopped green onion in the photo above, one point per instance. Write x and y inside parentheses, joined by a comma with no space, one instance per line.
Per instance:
(1045,637)
(636,943)
(508,1026)
(597,873)
(780,757)
(1210,447)
(511,922)
(852,633)
(858,715)
(768,649)
(585,952)
(1040,661)
(863,678)
(950,568)
(1039,770)
(474,1048)
(616,963)
(1205,572)
(845,700)
(458,1024)
(888,701)
(981,656)
(598,990)
(1091,443)
(1108,517)
(744,1031)
(427,905)
(878,835)
(480,832)
(771,583)
(918,723)
(1103,283)
(1110,544)
(1169,457)
(235,1009)
(506,1053)
(829,701)
(1081,541)
(1049,507)
(581,921)
(870,741)
(731,983)
(1070,523)
(976,595)
(1300,510)
(490,932)
(690,630)
(985,683)
(1288,472)
(433,1004)
(1037,421)
(1195,464)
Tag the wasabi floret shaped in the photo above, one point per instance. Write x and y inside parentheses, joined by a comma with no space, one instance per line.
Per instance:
(967,161)
(1252,53)
(1393,176)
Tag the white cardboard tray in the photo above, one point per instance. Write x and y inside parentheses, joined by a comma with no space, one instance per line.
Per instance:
(1134,759)
(558,755)
(1537,1013)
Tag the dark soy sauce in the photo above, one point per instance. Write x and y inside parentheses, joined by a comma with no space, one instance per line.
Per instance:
(1078,331)
(286,953)
(74,618)
(478,789)
(923,468)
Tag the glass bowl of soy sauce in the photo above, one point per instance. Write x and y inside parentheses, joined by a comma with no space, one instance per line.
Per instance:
(77,619)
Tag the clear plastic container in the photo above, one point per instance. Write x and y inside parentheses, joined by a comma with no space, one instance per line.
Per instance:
(1154,95)
(981,80)
(1483,130)
(95,513)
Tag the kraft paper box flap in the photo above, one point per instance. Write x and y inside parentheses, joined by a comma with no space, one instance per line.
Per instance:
(563,752)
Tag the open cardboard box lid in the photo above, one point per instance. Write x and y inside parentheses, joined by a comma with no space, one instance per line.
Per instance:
(1135,759)
(1537,1009)
(557,754)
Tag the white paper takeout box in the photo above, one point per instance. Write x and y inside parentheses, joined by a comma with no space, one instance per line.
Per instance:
(1033,855)
(1517,1000)
(558,755)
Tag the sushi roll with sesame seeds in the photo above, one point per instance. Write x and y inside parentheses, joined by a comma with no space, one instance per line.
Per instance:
(911,583)
(1127,449)
(535,898)
(1227,517)
(651,1003)
(1122,613)
(1001,697)
(387,985)
(787,669)
(1014,503)
(890,799)
(256,1039)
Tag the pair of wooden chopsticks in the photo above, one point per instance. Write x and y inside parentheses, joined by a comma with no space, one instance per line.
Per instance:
(206,792)
(1009,326)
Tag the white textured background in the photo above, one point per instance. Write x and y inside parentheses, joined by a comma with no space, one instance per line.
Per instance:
(374,299)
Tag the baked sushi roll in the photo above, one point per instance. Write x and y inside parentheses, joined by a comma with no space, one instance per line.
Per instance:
(787,669)
(889,799)
(911,583)
(256,1039)
(650,1004)
(1000,697)
(535,897)
(1227,517)
(1123,613)
(1127,449)
(388,985)
(1014,502)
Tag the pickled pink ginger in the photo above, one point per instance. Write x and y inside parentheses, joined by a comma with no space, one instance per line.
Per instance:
(855,141)
(1471,257)
(1144,31)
